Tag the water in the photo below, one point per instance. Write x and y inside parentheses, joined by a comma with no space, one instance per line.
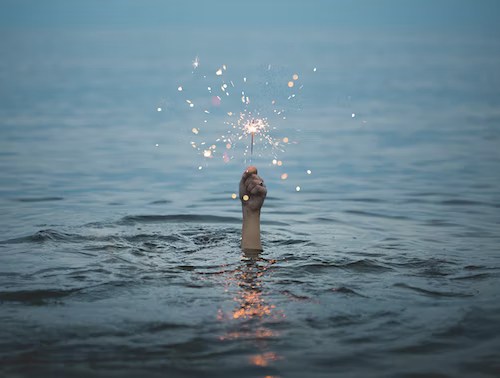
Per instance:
(121,258)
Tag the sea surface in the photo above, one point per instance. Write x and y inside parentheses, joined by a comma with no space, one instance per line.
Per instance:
(120,257)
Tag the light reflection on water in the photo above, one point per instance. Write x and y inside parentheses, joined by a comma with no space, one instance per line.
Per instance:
(252,312)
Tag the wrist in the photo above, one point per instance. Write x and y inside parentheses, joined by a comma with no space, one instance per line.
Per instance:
(250,213)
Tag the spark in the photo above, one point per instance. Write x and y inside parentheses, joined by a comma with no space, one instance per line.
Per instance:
(290,84)
(179,88)
(156,145)
(195,130)
(314,69)
(207,153)
(158,109)
(353,115)
(284,176)
(196,62)
(308,171)
(200,168)
(285,140)
(218,72)
(246,197)
(234,196)
(280,163)
(295,77)
(297,188)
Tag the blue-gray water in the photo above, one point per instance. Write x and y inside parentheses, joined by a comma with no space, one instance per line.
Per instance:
(121,258)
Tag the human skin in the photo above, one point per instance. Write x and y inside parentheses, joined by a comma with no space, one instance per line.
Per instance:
(251,185)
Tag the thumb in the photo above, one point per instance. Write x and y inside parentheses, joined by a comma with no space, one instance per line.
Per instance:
(251,169)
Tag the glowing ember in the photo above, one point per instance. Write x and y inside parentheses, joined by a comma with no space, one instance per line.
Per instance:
(280,163)
(246,198)
(285,140)
(195,130)
(207,153)
(284,176)
(218,72)
(290,84)
(295,77)
(234,196)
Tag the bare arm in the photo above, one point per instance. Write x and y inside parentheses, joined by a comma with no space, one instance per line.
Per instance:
(252,194)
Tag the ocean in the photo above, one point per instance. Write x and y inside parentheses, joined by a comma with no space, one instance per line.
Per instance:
(119,242)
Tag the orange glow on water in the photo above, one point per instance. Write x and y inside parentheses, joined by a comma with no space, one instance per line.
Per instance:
(264,359)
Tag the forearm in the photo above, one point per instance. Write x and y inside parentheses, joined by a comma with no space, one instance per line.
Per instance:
(250,234)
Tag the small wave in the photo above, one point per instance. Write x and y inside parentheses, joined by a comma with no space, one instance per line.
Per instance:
(377,215)
(160,202)
(35,297)
(366,200)
(478,276)
(289,242)
(439,223)
(327,220)
(433,293)
(44,236)
(295,297)
(365,266)
(182,218)
(39,199)
(346,290)
(186,218)
(359,266)
(461,202)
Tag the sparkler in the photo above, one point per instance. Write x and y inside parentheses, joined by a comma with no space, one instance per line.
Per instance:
(253,126)
(247,107)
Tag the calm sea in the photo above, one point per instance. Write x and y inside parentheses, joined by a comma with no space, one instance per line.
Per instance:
(120,257)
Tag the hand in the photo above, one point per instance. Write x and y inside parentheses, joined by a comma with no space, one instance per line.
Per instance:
(253,186)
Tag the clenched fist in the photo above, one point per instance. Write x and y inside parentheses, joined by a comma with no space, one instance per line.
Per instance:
(252,190)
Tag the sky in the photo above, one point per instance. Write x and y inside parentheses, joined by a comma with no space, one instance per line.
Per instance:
(460,15)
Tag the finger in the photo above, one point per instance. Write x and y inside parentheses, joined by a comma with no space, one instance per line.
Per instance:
(255,182)
(251,170)
(250,179)
(258,190)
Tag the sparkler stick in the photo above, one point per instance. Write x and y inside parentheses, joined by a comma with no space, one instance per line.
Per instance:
(251,146)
